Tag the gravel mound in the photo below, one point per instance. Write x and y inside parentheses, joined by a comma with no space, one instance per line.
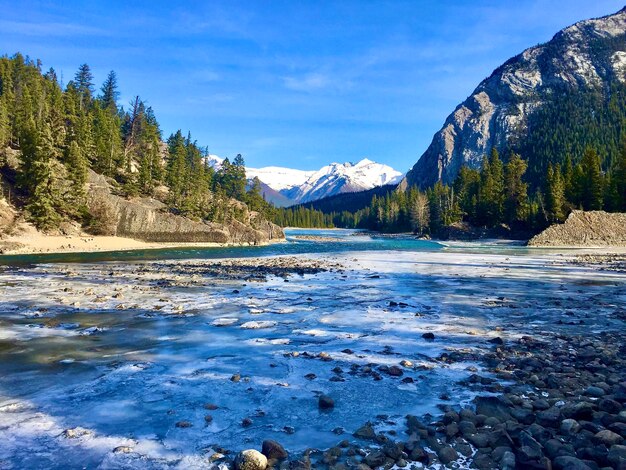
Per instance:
(593,228)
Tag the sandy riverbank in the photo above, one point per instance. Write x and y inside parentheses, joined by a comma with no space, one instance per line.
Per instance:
(37,243)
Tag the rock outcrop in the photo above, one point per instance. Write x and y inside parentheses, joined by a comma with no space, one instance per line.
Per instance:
(7,216)
(147,219)
(588,54)
(593,228)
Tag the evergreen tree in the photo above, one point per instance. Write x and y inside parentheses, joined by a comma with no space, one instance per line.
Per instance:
(77,166)
(84,85)
(555,195)
(466,185)
(5,128)
(568,179)
(239,178)
(110,93)
(591,183)
(254,199)
(516,190)
(107,141)
(38,154)
(618,181)
(176,171)
(491,192)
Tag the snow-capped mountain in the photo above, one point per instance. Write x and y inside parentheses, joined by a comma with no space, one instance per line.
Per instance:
(298,186)
(279,178)
(339,178)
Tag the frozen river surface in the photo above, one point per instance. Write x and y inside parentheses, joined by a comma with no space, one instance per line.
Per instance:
(159,364)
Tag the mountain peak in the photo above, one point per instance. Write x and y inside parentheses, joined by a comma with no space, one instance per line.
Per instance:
(304,186)
(365,162)
(590,54)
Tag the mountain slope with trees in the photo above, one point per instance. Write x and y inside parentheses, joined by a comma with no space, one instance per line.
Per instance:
(52,136)
(550,101)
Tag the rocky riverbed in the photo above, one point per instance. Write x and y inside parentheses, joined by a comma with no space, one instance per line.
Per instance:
(482,358)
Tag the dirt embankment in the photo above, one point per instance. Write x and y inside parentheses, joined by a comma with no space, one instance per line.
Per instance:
(586,229)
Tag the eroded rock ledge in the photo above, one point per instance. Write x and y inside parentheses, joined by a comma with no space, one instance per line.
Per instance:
(146,219)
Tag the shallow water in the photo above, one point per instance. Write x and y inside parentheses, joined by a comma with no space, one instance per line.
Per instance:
(127,349)
(347,240)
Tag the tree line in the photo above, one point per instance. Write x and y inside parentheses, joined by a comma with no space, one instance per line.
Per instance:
(58,133)
(495,195)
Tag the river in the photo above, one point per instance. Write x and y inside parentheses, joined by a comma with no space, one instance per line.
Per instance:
(132,350)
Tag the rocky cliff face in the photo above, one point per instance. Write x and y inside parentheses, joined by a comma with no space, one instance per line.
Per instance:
(145,219)
(591,53)
(594,228)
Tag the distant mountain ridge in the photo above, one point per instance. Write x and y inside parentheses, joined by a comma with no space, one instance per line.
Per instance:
(590,55)
(287,186)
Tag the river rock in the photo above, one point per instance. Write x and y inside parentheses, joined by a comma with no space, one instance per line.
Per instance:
(365,432)
(608,438)
(569,426)
(617,456)
(467,428)
(549,418)
(570,463)
(595,392)
(578,411)
(374,459)
(492,407)
(447,454)
(609,406)
(250,460)
(325,402)
(273,450)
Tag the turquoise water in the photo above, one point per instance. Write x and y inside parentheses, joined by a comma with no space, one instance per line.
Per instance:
(347,240)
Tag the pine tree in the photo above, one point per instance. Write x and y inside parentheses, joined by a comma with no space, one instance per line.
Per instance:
(38,154)
(5,129)
(110,93)
(239,177)
(516,190)
(555,195)
(107,141)
(84,85)
(467,185)
(618,181)
(491,192)
(176,168)
(77,167)
(568,179)
(254,199)
(592,184)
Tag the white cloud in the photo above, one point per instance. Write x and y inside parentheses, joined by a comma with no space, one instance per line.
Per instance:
(309,82)
(50,29)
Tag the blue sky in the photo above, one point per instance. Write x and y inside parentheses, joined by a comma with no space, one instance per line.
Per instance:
(292,83)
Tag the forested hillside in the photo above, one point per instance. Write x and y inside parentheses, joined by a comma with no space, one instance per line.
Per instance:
(554,98)
(52,134)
